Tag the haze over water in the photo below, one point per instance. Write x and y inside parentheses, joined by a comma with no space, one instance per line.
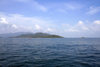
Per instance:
(49,52)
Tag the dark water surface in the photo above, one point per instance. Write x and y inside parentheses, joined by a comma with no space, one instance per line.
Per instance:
(45,52)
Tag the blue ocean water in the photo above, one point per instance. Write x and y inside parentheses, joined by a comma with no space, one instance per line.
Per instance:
(48,52)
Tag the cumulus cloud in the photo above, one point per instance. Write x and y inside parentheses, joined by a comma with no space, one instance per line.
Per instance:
(95,26)
(97,22)
(82,26)
(50,30)
(79,27)
(80,23)
(14,26)
(37,27)
(6,27)
(3,20)
(20,23)
(84,29)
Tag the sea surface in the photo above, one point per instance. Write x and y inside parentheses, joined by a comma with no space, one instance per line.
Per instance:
(49,52)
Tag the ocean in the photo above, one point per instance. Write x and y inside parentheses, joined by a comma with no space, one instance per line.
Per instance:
(49,52)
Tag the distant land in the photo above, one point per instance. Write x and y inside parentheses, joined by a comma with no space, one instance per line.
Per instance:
(38,35)
(29,35)
(6,35)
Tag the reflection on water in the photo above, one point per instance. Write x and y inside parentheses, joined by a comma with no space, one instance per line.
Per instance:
(64,52)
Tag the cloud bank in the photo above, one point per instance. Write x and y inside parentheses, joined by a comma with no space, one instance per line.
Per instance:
(10,23)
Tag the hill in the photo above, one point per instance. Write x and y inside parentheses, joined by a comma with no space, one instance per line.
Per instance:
(38,35)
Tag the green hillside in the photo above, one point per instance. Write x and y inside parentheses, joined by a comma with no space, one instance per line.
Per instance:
(38,35)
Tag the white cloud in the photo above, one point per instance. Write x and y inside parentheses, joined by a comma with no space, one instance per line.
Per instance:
(97,22)
(73,5)
(34,4)
(6,27)
(82,26)
(14,26)
(93,10)
(95,26)
(49,30)
(66,7)
(41,7)
(21,23)
(80,23)
(85,28)
(72,30)
(3,20)
(37,27)
(79,27)
(31,5)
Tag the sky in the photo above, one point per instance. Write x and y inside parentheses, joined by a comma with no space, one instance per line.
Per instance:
(68,18)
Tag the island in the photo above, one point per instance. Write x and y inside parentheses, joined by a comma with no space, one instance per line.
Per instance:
(38,35)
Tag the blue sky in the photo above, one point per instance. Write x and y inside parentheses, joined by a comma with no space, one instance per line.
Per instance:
(69,18)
